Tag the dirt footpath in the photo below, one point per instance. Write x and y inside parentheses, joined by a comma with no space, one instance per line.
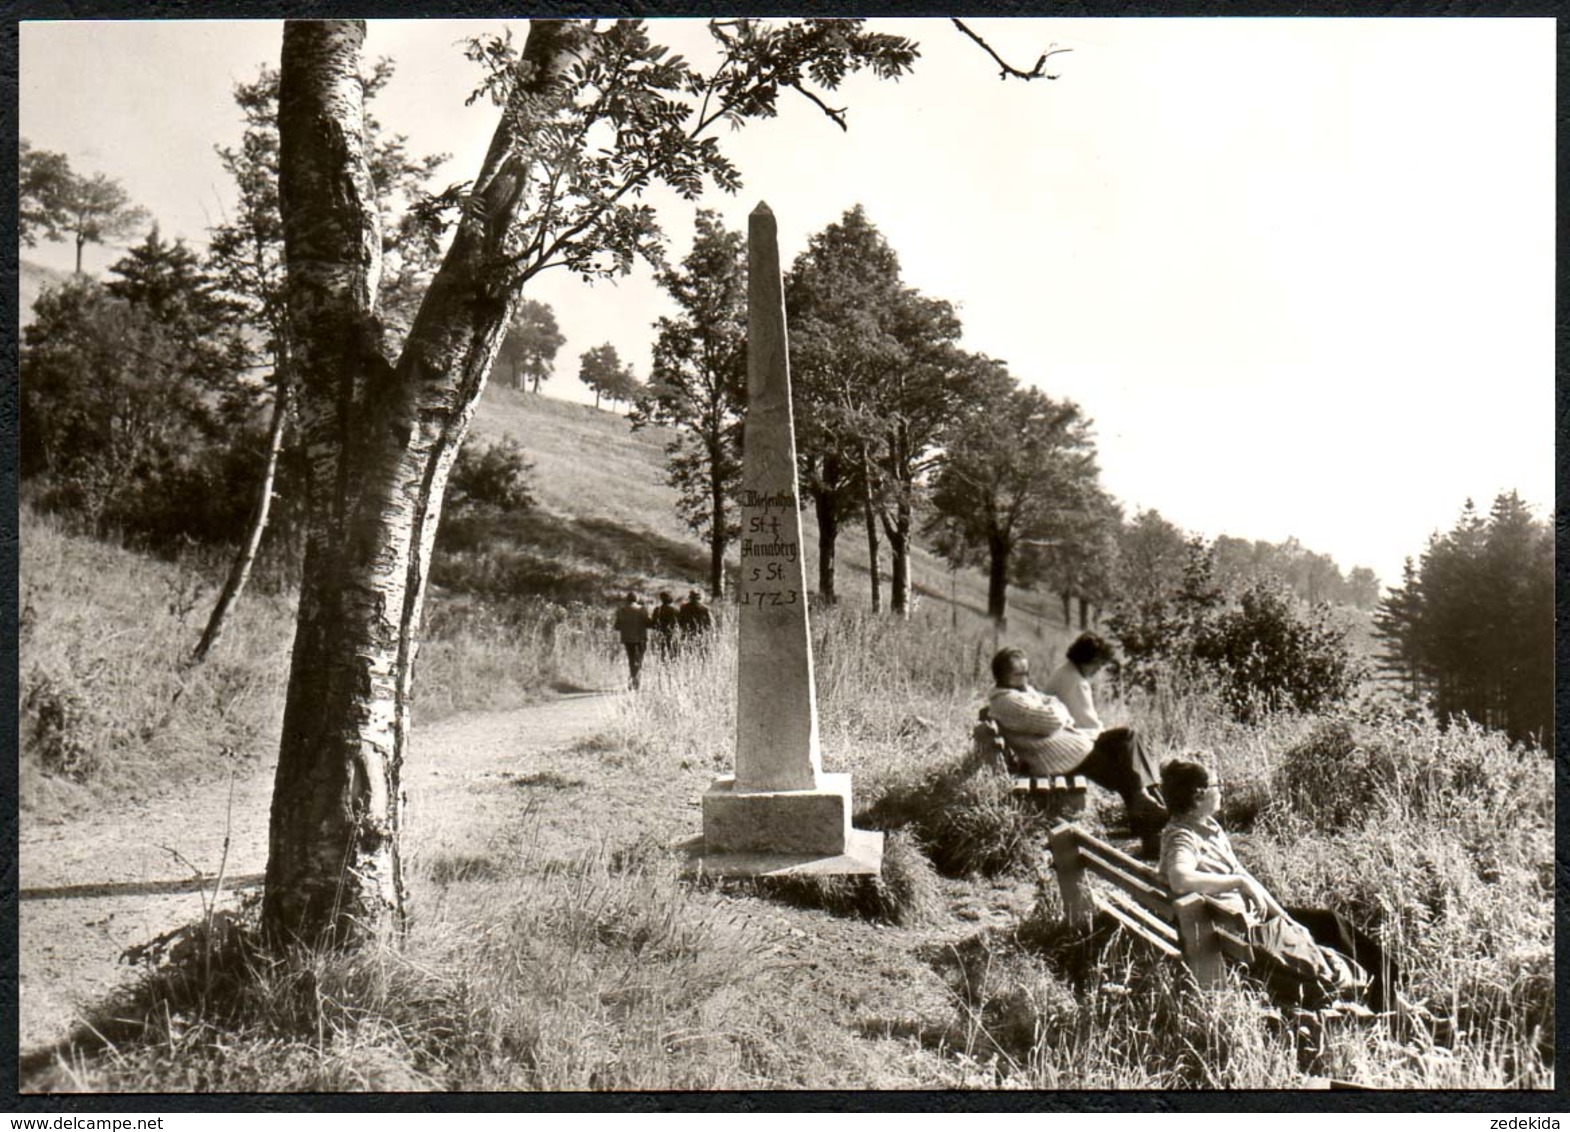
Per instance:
(93,886)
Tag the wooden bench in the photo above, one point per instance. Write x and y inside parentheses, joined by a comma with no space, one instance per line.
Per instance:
(1063,793)
(1193,928)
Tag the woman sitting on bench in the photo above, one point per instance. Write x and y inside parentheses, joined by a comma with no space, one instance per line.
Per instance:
(1299,944)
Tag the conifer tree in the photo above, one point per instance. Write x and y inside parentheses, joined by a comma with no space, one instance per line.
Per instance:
(1471,627)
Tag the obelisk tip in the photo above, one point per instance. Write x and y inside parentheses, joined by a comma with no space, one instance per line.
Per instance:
(763,209)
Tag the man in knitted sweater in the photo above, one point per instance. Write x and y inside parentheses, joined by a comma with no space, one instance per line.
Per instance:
(1045,740)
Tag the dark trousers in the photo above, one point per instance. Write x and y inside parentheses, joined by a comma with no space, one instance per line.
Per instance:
(1121,761)
(1332,929)
(635,658)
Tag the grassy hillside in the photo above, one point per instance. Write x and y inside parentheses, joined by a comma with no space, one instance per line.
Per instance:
(603,489)
(110,705)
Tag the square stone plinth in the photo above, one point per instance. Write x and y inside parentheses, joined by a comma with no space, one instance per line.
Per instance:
(778,821)
(863,856)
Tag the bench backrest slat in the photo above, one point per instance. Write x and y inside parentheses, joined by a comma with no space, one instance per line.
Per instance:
(1134,916)
(1156,900)
(1117,859)
(1138,898)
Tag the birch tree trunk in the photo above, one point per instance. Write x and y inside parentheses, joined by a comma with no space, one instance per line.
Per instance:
(240,569)
(380,438)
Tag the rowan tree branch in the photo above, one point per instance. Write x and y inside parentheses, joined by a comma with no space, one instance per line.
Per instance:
(836,116)
(1039,71)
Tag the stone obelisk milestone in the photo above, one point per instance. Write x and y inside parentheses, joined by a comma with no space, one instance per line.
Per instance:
(780,810)
(777,705)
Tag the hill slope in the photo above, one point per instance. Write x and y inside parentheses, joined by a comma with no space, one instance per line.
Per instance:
(590,466)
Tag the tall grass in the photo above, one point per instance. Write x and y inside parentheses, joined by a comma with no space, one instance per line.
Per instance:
(526,970)
(589,974)
(1440,843)
(892,696)
(111,705)
(107,700)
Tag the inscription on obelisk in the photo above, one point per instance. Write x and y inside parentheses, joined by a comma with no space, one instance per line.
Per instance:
(776,707)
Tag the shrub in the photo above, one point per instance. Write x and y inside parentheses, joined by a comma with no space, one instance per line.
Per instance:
(965,819)
(61,727)
(1269,656)
(1352,769)
(1260,655)
(489,476)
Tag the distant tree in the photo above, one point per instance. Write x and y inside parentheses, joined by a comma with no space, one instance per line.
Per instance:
(98,210)
(603,371)
(44,185)
(1157,620)
(920,403)
(76,346)
(1453,626)
(1235,562)
(1151,557)
(1322,580)
(881,380)
(1518,560)
(699,384)
(1078,556)
(1020,467)
(122,405)
(168,282)
(528,353)
(1362,588)
(838,295)
(626,389)
(1396,627)
(1471,627)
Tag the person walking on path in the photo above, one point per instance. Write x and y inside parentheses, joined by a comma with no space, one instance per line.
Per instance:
(694,617)
(665,620)
(632,622)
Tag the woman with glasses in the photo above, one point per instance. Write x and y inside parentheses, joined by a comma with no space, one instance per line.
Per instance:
(1197,856)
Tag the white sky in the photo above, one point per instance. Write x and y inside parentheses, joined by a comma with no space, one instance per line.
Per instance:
(1300,272)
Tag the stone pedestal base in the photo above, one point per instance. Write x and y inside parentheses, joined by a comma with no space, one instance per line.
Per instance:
(765,832)
(863,856)
(778,821)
